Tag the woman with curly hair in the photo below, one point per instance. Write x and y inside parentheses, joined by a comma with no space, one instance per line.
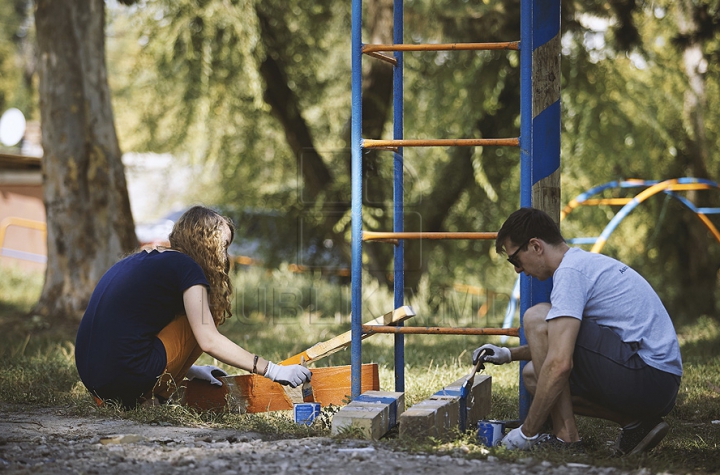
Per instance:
(155,312)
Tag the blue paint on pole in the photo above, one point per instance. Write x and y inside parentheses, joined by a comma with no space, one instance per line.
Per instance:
(546,135)
(539,139)
(356,203)
(398,194)
(546,24)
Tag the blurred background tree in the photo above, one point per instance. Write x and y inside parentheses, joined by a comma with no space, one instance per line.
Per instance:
(18,58)
(258,94)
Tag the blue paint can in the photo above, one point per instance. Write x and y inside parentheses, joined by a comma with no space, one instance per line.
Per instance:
(306,412)
(490,433)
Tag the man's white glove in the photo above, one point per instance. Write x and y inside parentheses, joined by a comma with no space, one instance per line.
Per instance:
(493,354)
(516,440)
(206,373)
(292,375)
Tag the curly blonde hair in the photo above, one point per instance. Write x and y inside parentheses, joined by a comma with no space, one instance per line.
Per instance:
(199,234)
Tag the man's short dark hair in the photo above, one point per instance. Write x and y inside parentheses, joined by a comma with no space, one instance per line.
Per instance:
(525,224)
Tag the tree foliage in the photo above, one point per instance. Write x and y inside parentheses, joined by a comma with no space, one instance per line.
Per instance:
(17,57)
(259,93)
(625,114)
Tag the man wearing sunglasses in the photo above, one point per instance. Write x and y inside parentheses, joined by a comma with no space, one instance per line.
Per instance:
(603,347)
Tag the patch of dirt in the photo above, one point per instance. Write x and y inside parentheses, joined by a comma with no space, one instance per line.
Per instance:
(50,441)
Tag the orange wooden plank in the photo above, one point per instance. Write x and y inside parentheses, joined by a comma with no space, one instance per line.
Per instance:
(326,348)
(254,393)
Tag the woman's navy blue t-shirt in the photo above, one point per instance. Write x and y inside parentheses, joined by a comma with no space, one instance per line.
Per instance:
(117,344)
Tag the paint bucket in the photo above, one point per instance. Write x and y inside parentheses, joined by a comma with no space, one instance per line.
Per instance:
(306,412)
(490,433)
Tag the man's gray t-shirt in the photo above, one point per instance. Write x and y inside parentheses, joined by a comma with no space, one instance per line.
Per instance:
(610,293)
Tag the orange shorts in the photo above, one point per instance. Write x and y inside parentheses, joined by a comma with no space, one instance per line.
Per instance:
(182,350)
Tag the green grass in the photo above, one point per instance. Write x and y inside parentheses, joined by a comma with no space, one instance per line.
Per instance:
(290,313)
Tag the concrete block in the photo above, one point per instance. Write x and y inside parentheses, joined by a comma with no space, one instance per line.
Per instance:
(441,413)
(479,399)
(433,417)
(374,412)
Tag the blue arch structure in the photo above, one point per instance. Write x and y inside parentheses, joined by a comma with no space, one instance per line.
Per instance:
(651,188)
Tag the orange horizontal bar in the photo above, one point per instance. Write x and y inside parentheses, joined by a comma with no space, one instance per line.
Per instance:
(606,201)
(512,45)
(511,142)
(440,330)
(377,236)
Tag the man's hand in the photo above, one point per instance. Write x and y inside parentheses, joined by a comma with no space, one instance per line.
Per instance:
(516,440)
(206,373)
(493,354)
(292,375)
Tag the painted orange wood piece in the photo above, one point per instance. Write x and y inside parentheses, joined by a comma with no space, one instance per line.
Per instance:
(337,343)
(253,393)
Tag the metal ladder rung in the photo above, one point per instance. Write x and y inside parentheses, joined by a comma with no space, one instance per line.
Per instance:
(376,48)
(392,144)
(388,236)
(440,330)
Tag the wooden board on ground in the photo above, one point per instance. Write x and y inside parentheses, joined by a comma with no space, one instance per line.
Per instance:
(326,348)
(253,393)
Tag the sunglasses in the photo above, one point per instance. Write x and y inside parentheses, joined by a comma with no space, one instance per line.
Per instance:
(512,259)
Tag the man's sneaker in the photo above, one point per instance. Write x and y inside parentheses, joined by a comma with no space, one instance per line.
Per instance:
(641,436)
(552,442)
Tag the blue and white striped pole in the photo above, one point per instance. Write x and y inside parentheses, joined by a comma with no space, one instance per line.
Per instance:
(539,133)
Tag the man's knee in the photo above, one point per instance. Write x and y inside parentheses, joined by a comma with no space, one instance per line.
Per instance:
(535,315)
(529,377)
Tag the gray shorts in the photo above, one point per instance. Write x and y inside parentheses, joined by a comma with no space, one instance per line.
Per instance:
(610,373)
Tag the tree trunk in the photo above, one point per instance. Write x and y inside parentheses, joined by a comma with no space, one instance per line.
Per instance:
(89,223)
(699,275)
(285,107)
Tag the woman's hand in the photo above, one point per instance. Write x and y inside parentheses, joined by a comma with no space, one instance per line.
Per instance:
(292,375)
(206,373)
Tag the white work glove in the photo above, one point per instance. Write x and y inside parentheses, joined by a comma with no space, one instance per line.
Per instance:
(205,373)
(516,440)
(493,354)
(292,375)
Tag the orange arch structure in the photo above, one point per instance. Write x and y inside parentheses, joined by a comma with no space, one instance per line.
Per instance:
(669,187)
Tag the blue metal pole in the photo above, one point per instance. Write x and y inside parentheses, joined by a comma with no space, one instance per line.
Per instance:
(539,131)
(356,202)
(398,193)
(526,49)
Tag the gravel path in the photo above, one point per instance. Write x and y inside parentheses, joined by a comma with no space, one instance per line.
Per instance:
(46,441)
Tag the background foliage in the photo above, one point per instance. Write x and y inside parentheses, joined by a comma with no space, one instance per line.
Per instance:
(258,94)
